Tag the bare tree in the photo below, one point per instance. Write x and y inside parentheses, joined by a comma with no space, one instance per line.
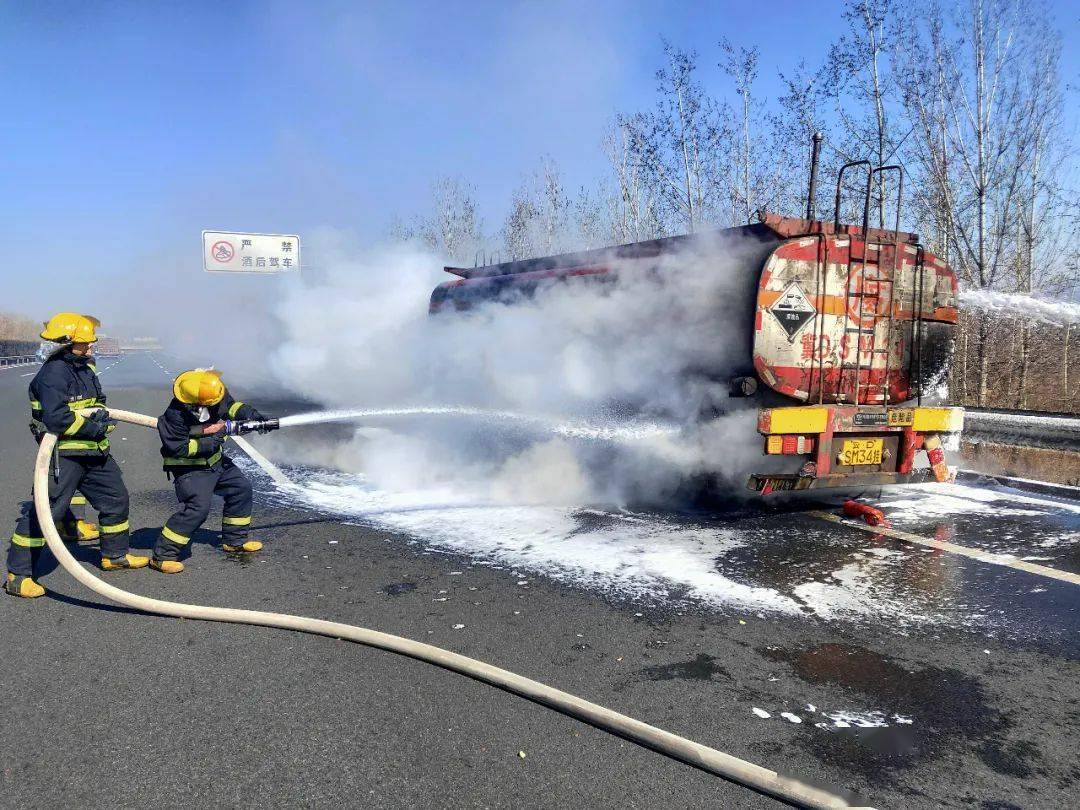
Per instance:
(517,230)
(798,115)
(1040,259)
(927,96)
(554,208)
(863,90)
(591,215)
(741,65)
(453,229)
(399,230)
(633,205)
(677,145)
(971,145)
(540,215)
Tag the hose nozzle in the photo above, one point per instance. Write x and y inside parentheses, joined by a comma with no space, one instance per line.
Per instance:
(250,426)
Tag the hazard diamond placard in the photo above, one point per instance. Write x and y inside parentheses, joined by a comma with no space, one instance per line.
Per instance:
(793,310)
(232,252)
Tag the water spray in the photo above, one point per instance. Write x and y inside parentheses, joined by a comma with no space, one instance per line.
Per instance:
(572,429)
(1039,310)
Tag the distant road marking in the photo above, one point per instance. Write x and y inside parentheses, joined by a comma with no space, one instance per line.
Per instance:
(21,365)
(1006,560)
(27,374)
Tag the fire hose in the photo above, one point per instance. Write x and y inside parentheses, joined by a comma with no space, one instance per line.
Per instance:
(779,786)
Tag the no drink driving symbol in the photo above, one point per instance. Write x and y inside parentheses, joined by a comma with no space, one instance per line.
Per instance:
(793,310)
(222,251)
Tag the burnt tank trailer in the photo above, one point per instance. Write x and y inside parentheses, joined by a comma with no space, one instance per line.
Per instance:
(843,329)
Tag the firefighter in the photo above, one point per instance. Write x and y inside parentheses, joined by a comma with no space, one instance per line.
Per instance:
(66,383)
(193,434)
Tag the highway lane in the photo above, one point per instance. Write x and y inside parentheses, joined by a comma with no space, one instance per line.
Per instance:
(108,707)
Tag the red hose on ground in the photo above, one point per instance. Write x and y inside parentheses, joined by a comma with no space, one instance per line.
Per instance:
(872,516)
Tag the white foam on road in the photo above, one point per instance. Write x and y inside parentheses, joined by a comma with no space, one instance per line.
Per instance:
(645,556)
(660,558)
(861,588)
(1040,522)
(864,719)
(629,554)
(843,719)
(947,500)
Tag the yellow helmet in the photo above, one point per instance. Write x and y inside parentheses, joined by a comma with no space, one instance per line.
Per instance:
(199,387)
(71,327)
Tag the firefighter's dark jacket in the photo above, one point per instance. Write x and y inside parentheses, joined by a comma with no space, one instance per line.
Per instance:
(64,384)
(183,445)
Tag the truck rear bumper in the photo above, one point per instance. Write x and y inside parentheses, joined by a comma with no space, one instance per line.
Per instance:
(768,483)
(855,446)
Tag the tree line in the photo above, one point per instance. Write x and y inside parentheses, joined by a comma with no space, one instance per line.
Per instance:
(967,98)
(16,327)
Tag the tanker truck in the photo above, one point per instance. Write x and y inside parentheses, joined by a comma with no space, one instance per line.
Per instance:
(841,332)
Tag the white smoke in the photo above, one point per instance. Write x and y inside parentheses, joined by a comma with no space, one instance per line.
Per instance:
(579,353)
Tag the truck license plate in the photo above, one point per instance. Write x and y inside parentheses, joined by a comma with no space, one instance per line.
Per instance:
(861,451)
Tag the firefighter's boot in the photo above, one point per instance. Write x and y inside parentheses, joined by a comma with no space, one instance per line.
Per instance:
(85,530)
(166,566)
(79,531)
(249,546)
(127,561)
(23,586)
(167,550)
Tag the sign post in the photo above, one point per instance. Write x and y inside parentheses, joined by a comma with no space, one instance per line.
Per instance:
(256,253)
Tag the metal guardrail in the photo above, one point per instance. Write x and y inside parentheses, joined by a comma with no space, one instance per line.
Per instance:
(1058,431)
(19,360)
(1027,484)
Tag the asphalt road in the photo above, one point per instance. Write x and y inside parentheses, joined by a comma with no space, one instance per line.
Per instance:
(105,707)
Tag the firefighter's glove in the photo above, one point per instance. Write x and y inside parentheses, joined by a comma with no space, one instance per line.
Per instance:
(100,424)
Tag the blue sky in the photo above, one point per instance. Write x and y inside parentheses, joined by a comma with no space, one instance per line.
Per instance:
(130,127)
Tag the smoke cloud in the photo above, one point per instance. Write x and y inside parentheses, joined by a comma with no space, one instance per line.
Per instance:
(609,379)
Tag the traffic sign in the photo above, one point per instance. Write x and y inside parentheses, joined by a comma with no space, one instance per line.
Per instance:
(257,253)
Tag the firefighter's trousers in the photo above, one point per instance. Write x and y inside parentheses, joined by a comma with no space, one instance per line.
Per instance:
(96,477)
(195,490)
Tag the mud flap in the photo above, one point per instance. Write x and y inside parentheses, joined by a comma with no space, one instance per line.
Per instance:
(935,453)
